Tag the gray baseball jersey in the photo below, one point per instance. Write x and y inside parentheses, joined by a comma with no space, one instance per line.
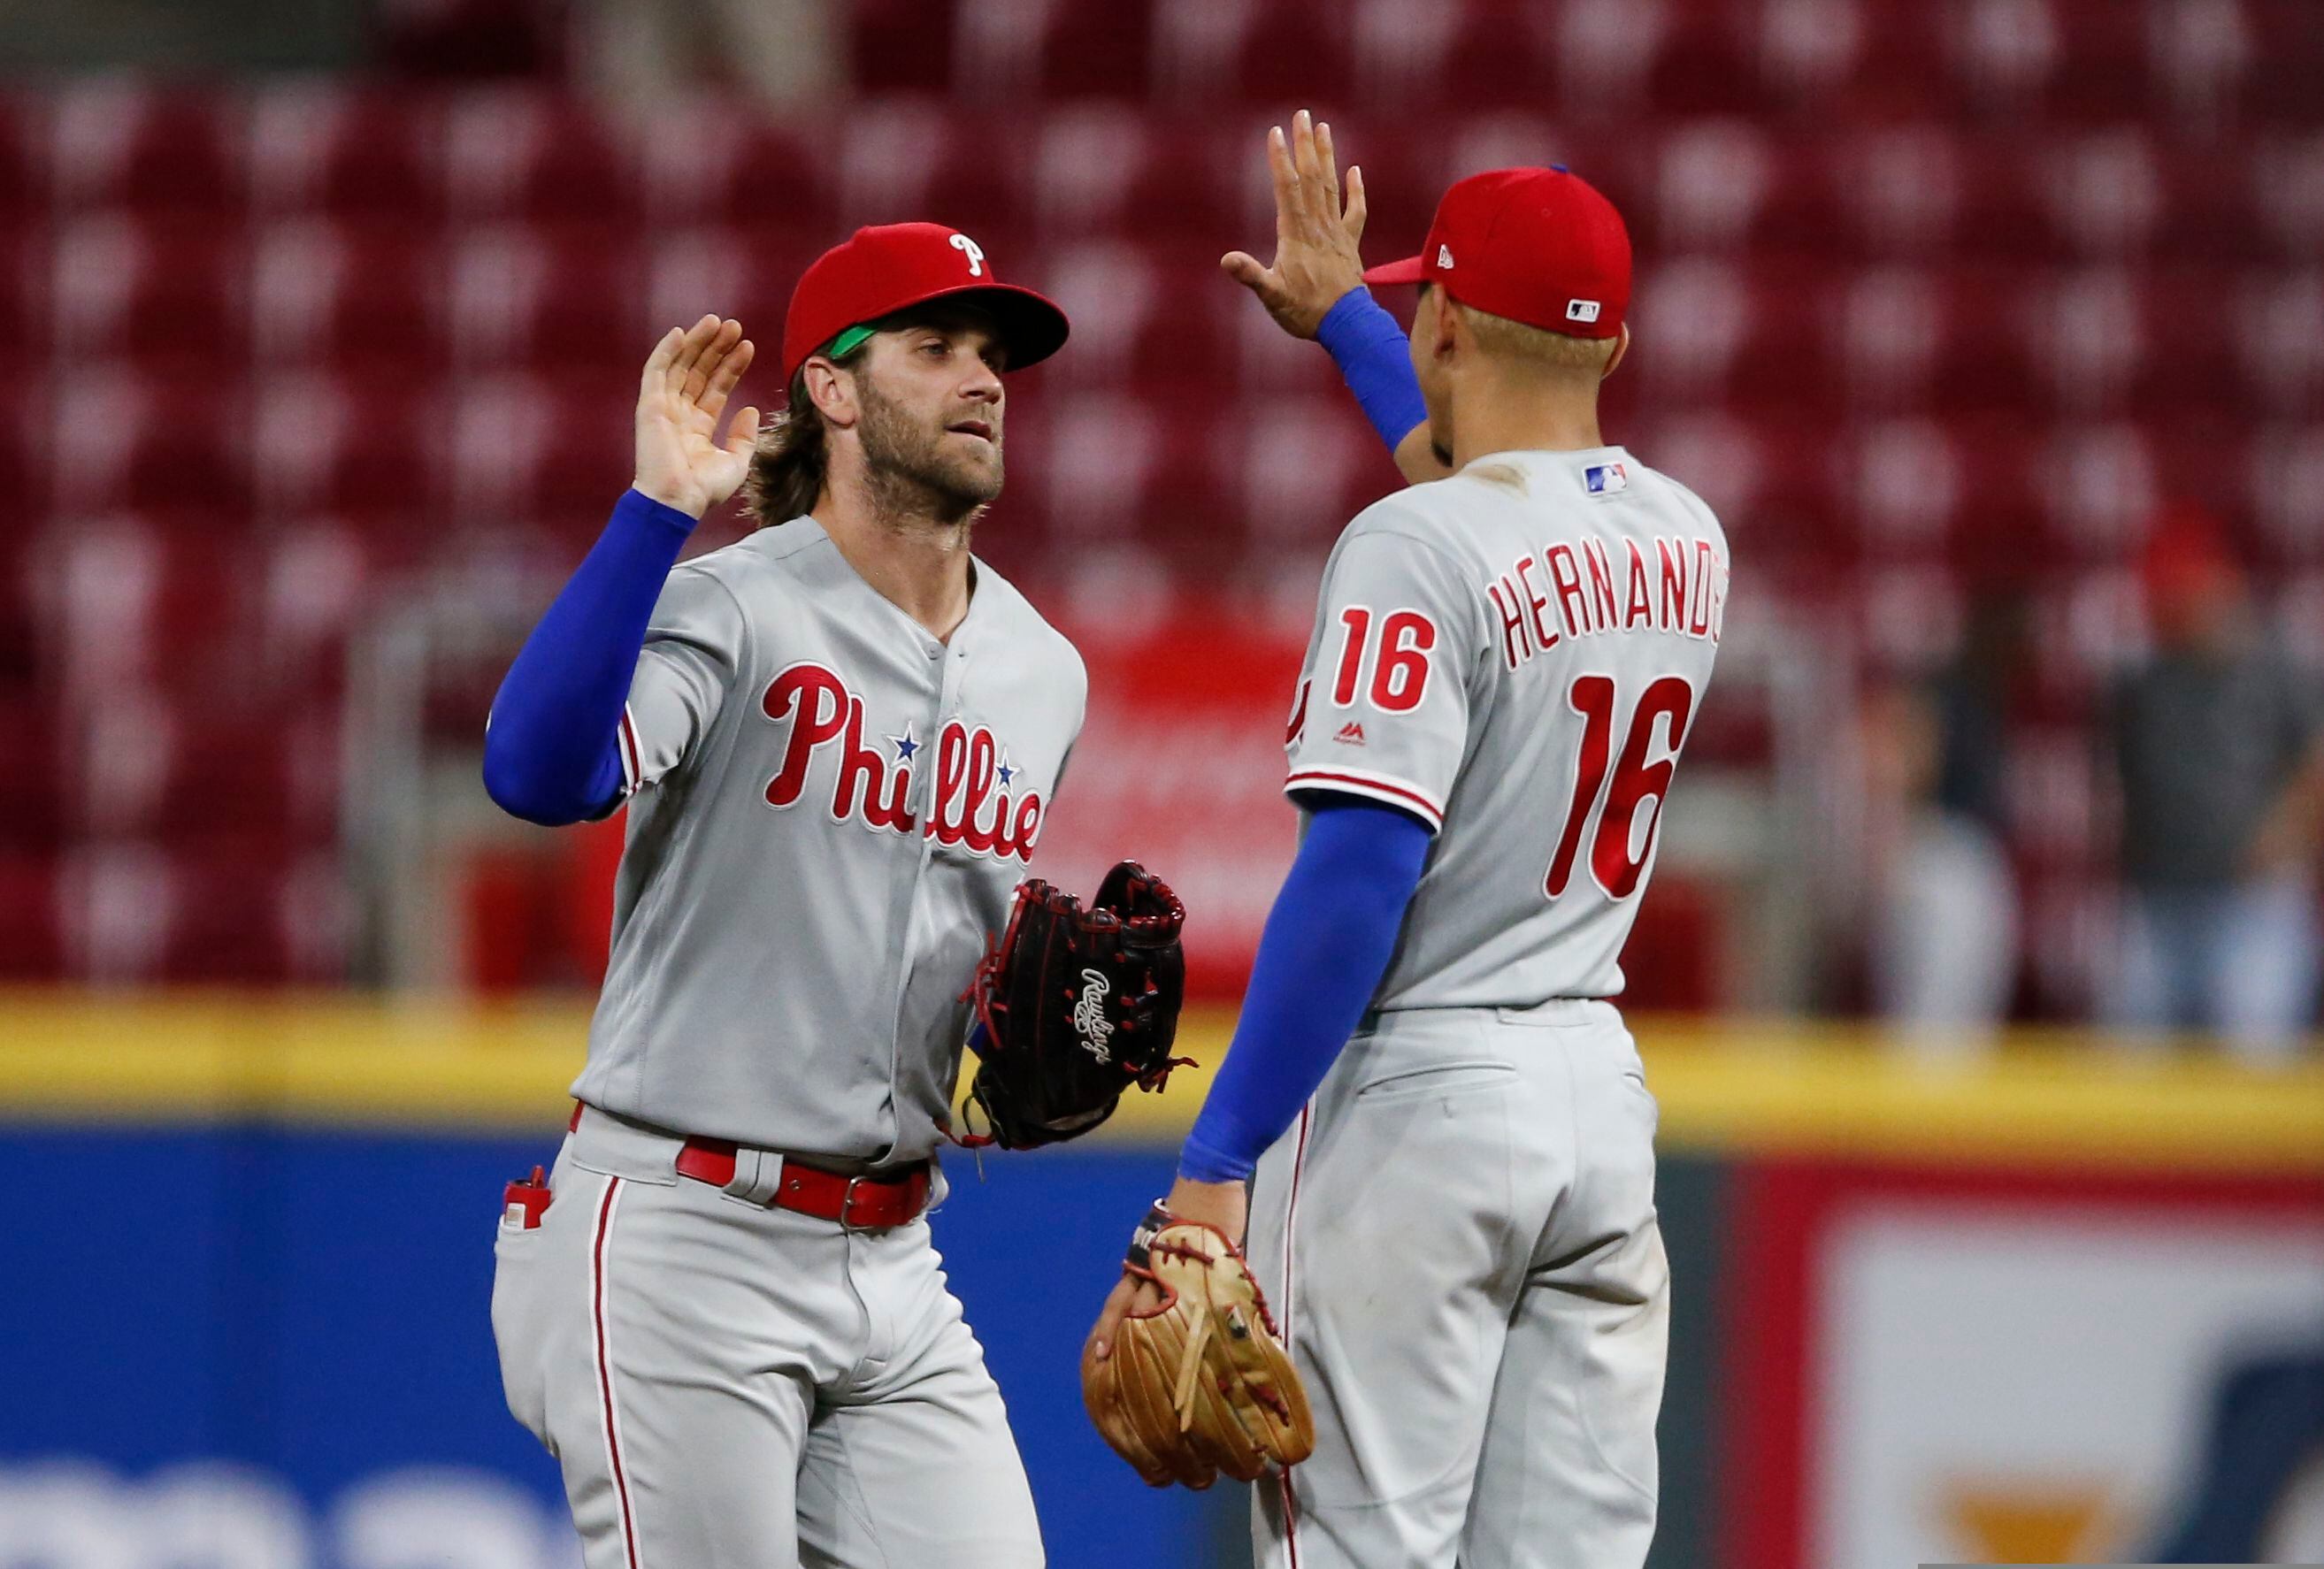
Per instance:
(1514,655)
(831,809)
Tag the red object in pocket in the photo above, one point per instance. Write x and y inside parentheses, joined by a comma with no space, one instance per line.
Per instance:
(525,1201)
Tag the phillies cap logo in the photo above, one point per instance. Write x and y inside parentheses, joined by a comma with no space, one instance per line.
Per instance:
(972,251)
(1444,256)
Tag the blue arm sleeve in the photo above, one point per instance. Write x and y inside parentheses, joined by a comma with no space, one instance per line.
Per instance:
(1375,358)
(552,749)
(1328,942)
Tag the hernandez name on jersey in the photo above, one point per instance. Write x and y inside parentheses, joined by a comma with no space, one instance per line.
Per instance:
(1514,655)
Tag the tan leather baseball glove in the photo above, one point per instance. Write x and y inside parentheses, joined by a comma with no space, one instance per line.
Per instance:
(1201,1383)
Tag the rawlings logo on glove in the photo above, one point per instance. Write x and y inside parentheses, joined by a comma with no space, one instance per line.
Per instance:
(1076,1004)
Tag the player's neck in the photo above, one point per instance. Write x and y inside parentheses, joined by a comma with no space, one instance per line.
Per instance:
(916,562)
(1495,413)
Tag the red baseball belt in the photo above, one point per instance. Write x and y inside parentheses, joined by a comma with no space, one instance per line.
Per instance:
(856,1203)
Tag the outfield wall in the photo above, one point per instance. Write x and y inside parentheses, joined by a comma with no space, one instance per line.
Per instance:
(1967,1311)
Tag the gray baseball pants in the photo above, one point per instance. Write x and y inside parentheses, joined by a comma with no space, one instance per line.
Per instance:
(1458,1239)
(728,1385)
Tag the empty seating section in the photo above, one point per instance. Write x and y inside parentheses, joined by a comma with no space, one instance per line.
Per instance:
(1933,299)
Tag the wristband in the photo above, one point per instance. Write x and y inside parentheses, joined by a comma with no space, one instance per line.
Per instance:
(1375,358)
(1141,1241)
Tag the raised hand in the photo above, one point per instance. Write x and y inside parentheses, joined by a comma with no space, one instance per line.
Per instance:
(681,463)
(1316,230)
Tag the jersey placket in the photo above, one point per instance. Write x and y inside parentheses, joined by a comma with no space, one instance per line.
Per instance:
(947,669)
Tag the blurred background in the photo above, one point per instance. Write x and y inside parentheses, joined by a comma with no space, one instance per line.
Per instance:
(1978,979)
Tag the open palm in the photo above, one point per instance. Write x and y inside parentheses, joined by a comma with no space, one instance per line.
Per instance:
(1317,231)
(683,393)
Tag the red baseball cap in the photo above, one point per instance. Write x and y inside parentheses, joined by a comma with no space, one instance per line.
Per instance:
(1536,245)
(878,272)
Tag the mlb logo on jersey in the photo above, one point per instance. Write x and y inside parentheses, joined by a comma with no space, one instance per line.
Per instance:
(1606,479)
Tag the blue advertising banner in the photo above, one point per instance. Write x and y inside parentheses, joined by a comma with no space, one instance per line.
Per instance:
(243,1348)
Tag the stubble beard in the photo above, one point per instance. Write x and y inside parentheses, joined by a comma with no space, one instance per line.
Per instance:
(911,476)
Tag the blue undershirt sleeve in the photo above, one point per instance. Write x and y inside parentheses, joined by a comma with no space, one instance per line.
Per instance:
(1327,943)
(1375,358)
(552,746)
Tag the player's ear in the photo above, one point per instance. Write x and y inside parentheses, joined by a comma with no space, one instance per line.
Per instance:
(1449,331)
(831,390)
(1621,347)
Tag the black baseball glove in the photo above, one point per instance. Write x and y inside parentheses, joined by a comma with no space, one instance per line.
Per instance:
(1076,1005)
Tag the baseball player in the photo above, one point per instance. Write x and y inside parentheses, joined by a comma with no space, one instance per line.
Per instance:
(1445,1125)
(838,739)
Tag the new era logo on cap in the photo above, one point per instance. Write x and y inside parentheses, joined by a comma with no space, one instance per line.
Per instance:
(1538,246)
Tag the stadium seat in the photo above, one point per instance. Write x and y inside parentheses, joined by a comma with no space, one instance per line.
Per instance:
(519,300)
(166,298)
(32,940)
(356,298)
(172,446)
(368,157)
(899,46)
(518,155)
(236,922)
(708,166)
(33,794)
(353,447)
(172,152)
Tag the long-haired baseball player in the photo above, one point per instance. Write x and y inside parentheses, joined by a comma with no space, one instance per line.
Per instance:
(837,740)
(1453,1212)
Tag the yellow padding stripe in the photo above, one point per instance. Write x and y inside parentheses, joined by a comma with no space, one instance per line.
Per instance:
(1782,1088)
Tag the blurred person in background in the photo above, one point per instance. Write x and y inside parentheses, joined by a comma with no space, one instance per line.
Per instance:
(638,55)
(2218,752)
(1944,935)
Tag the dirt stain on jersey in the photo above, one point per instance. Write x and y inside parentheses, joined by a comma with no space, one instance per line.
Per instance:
(1507,475)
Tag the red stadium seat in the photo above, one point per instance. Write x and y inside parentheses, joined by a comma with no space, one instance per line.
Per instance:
(239,919)
(2278,322)
(24,159)
(167,299)
(1016,51)
(159,153)
(522,155)
(1174,183)
(363,157)
(519,300)
(353,298)
(352,447)
(33,792)
(2104,53)
(527,449)
(1706,64)
(172,447)
(1306,468)
(707,166)
(31,939)
(899,46)
(2284,473)
(1274,55)
(133,603)
(1987,360)
(2288,42)
(911,160)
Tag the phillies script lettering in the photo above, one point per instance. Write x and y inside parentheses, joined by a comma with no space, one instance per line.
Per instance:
(975,806)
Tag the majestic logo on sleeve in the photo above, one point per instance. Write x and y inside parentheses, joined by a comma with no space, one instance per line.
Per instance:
(978,801)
